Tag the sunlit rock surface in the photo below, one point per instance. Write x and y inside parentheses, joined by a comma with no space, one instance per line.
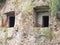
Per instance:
(24,32)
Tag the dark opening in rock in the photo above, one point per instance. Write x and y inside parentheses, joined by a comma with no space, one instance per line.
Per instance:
(45,21)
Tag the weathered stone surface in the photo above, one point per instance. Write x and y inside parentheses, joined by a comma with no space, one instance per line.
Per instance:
(23,33)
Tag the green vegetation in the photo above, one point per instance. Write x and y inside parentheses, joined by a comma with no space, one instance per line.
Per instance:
(25,5)
(6,35)
(54,4)
(16,2)
(46,32)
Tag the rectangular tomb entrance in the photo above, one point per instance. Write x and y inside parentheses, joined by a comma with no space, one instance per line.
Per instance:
(11,21)
(42,16)
(45,22)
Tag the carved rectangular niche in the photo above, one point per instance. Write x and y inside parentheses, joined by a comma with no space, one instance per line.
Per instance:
(41,16)
(10,20)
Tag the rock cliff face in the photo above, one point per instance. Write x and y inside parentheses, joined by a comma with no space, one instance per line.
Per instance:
(24,32)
